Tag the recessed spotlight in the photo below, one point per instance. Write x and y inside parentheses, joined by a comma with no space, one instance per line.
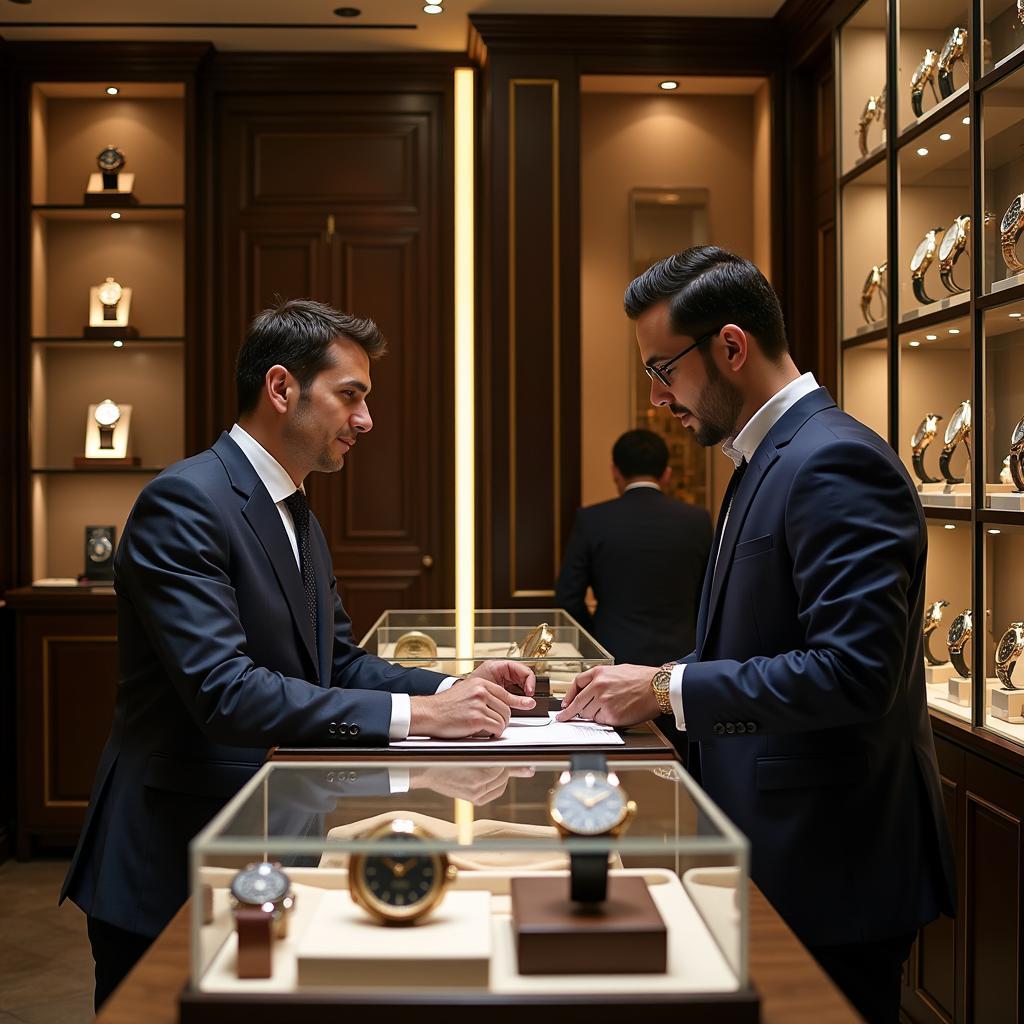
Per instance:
(112,90)
(967,120)
(954,330)
(915,344)
(115,216)
(118,343)
(995,533)
(931,337)
(950,526)
(668,85)
(922,151)
(945,137)
(1016,316)
(433,9)
(347,12)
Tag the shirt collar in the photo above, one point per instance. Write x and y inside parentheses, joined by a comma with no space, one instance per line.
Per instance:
(273,475)
(746,442)
(641,483)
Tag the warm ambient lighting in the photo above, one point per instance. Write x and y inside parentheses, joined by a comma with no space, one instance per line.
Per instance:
(954,330)
(433,9)
(995,532)
(922,151)
(945,137)
(915,344)
(949,526)
(931,337)
(115,216)
(118,343)
(1015,316)
(112,90)
(668,86)
(967,120)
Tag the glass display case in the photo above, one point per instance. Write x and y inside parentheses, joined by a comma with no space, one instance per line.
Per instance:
(1004,32)
(550,640)
(1000,642)
(932,59)
(863,385)
(862,92)
(1003,445)
(300,885)
(863,271)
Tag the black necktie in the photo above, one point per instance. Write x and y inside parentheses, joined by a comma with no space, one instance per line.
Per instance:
(299,508)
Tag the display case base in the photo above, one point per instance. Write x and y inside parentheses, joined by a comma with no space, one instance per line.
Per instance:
(1008,282)
(959,690)
(109,333)
(97,195)
(947,495)
(1007,705)
(1012,501)
(946,302)
(938,673)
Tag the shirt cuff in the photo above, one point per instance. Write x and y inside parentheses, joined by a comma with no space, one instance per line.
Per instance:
(675,695)
(398,779)
(401,716)
(447,682)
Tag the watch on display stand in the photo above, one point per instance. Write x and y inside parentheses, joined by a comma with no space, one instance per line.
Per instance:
(109,309)
(111,186)
(954,51)
(99,555)
(1010,228)
(1007,701)
(874,111)
(954,242)
(922,259)
(873,285)
(107,436)
(1016,457)
(261,900)
(919,442)
(932,620)
(924,75)
(958,431)
(961,630)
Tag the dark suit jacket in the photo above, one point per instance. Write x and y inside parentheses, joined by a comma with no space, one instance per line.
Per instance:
(217,663)
(644,554)
(806,690)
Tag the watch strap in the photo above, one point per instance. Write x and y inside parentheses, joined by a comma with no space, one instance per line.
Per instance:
(916,101)
(946,83)
(109,179)
(588,877)
(106,437)
(946,277)
(1008,244)
(928,654)
(944,460)
(1017,470)
(255,942)
(923,475)
(588,763)
(959,663)
(917,282)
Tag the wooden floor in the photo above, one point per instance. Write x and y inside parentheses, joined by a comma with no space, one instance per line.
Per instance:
(46,973)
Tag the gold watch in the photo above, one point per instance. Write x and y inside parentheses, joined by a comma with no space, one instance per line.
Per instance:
(405,884)
(958,431)
(919,442)
(660,686)
(954,242)
(955,50)
(924,75)
(874,110)
(414,648)
(1008,653)
(1009,232)
(961,630)
(875,284)
(1015,460)
(932,621)
(924,256)
(537,644)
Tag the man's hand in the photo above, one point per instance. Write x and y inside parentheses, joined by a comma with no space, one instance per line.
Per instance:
(474,706)
(611,695)
(479,785)
(507,673)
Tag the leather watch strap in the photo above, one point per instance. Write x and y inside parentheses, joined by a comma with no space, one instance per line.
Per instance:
(944,460)
(589,877)
(962,668)
(917,283)
(946,277)
(916,102)
(1017,470)
(255,942)
(928,655)
(917,458)
(946,83)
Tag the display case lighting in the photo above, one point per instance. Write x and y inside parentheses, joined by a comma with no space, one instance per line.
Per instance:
(954,330)
(967,120)
(112,90)
(922,151)
(931,337)
(115,216)
(945,137)
(995,533)
(668,85)
(118,343)
(1015,316)
(915,344)
(433,9)
(950,526)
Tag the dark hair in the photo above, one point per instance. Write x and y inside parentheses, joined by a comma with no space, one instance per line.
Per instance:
(708,287)
(640,453)
(297,333)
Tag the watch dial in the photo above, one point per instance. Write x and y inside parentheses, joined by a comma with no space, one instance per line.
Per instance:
(960,630)
(927,243)
(933,616)
(260,884)
(107,413)
(960,422)
(1011,216)
(99,548)
(109,293)
(869,283)
(110,160)
(1018,434)
(1008,646)
(401,883)
(949,240)
(588,804)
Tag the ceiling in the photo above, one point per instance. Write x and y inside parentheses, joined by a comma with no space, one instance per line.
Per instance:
(311,25)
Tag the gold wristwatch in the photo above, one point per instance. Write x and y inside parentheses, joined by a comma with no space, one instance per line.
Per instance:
(875,284)
(1016,457)
(919,442)
(924,75)
(954,242)
(874,110)
(954,50)
(957,430)
(932,621)
(414,648)
(660,686)
(1008,653)
(537,644)
(1009,232)
(922,259)
(961,630)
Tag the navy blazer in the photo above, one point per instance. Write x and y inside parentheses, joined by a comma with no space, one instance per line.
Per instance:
(644,554)
(806,690)
(218,662)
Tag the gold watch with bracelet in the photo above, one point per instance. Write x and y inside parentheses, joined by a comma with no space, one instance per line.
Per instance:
(1008,653)
(874,285)
(874,110)
(1015,460)
(958,431)
(1010,228)
(660,685)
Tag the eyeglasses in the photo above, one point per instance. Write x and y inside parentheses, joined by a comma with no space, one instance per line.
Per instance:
(661,374)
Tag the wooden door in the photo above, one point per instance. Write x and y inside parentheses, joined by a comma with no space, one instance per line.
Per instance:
(346,199)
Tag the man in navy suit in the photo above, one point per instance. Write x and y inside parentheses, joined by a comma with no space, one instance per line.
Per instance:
(643,554)
(805,691)
(232,637)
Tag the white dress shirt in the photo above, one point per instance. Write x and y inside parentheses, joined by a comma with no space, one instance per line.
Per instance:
(739,448)
(280,485)
(641,483)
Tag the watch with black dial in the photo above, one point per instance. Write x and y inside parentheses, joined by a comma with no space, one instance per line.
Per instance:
(1010,228)
(106,415)
(961,630)
(873,285)
(954,242)
(1008,652)
(932,621)
(110,162)
(922,259)
(955,50)
(924,75)
(109,293)
(261,899)
(957,430)
(1016,457)
(919,442)
(587,802)
(99,554)
(405,884)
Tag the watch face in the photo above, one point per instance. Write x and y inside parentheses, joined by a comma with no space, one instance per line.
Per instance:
(960,631)
(924,70)
(415,646)
(871,280)
(1018,434)
(926,429)
(960,423)
(1009,646)
(401,884)
(933,615)
(262,883)
(1011,216)
(107,413)
(109,293)
(922,251)
(100,548)
(589,804)
(949,240)
(110,160)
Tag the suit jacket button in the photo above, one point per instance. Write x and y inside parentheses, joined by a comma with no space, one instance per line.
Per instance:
(740,728)
(353,730)
(751,726)
(343,729)
(718,729)
(730,728)
(333,728)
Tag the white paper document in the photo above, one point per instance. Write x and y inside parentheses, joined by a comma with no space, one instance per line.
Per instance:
(525,732)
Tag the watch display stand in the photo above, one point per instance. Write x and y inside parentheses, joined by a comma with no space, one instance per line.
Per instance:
(100,326)
(938,673)
(118,453)
(946,495)
(950,301)
(97,195)
(624,934)
(960,689)
(870,328)
(1007,282)
(1004,498)
(1007,705)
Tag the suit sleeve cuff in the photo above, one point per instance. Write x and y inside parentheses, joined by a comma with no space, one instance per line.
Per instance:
(401,716)
(675,695)
(447,682)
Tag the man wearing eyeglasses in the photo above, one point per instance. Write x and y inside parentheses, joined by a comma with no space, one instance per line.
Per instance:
(805,694)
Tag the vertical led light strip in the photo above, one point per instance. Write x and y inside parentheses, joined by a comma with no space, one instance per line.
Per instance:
(465,396)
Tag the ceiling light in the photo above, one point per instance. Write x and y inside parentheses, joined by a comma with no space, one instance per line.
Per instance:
(931,337)
(668,85)
(995,533)
(950,526)
(954,330)
(347,12)
(915,344)
(112,90)
(118,343)
(1016,316)
(967,120)
(945,137)
(922,151)
(433,9)
(115,216)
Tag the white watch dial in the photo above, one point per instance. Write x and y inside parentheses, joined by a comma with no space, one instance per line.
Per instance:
(107,413)
(109,292)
